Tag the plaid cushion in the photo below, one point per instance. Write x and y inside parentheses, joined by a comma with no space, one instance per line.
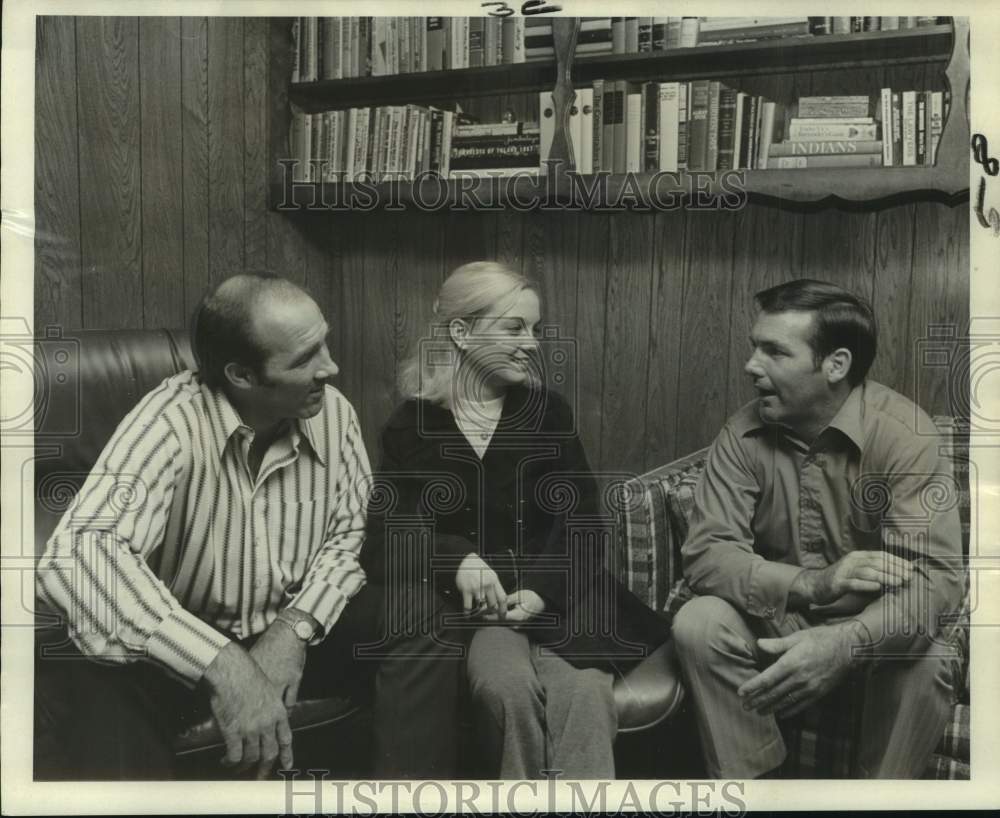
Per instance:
(822,741)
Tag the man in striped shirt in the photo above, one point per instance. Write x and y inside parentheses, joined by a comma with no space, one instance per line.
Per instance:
(217,540)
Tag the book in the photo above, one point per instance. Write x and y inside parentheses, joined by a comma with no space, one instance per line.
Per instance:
(726,129)
(698,125)
(673,32)
(748,127)
(585,154)
(885,99)
(513,40)
(768,127)
(897,128)
(490,128)
(333,52)
(688,32)
(841,25)
(617,35)
(936,125)
(598,120)
(712,150)
(493,41)
(645,42)
(831,130)
(909,112)
(477,44)
(660,25)
(613,108)
(634,131)
(890,23)
(668,125)
(826,147)
(684,113)
(860,160)
(631,35)
(296,48)
(921,117)
(309,64)
(650,126)
(435,43)
(834,106)
(619,139)
(738,135)
(752,33)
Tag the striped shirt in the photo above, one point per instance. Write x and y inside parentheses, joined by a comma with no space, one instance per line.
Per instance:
(171,542)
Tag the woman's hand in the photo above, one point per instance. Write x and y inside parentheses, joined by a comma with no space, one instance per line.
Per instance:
(522,606)
(479,586)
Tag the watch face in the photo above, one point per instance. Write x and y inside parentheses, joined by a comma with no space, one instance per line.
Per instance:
(303,630)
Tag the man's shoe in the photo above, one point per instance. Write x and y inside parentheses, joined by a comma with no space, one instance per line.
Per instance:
(650,692)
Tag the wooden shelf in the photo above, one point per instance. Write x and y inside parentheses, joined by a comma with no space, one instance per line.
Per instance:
(828,51)
(811,189)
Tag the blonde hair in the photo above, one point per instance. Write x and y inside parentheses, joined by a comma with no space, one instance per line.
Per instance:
(472,291)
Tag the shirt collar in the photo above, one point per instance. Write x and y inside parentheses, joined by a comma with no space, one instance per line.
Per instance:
(849,419)
(226,421)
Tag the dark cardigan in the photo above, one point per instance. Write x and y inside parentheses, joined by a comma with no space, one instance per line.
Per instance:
(530,507)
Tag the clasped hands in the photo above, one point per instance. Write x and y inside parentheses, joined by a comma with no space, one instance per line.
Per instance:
(249,693)
(811,662)
(483,594)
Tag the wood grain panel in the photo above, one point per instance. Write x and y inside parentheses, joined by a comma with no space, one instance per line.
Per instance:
(162,172)
(256,43)
(352,233)
(550,259)
(840,248)
(469,236)
(379,325)
(891,295)
(108,98)
(226,229)
(626,342)
(768,251)
(591,297)
(194,172)
(57,171)
(417,284)
(666,312)
(705,328)
(939,304)
(510,229)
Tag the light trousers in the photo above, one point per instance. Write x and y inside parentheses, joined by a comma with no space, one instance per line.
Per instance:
(537,712)
(906,702)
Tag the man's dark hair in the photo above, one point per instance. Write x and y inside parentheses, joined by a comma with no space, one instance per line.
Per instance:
(222,326)
(840,319)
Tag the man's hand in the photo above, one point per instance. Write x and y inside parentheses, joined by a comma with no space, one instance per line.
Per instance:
(282,657)
(478,583)
(812,662)
(522,606)
(856,572)
(249,712)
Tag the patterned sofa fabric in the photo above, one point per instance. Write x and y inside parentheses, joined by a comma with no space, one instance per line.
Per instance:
(822,740)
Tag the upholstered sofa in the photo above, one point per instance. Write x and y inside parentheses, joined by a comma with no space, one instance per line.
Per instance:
(86,382)
(822,741)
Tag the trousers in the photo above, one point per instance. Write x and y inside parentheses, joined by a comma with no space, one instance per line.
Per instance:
(537,712)
(96,721)
(906,702)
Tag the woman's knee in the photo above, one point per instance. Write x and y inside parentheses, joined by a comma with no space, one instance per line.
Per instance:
(701,622)
(499,667)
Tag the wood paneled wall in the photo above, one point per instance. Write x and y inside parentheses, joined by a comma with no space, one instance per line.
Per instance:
(151,171)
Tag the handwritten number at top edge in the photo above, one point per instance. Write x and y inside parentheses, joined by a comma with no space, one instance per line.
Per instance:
(528,8)
(981,153)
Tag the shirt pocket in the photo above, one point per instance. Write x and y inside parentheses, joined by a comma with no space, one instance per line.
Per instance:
(295,534)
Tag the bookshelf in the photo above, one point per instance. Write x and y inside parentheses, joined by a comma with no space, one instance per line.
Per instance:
(940,50)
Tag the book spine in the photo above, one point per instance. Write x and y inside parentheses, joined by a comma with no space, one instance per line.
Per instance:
(886,100)
(826,147)
(832,130)
(738,120)
(296,49)
(364,46)
(897,128)
(841,25)
(333,64)
(698,125)
(617,35)
(660,33)
(598,135)
(650,126)
(513,40)
(418,43)
(645,42)
(673,32)
(631,35)
(392,46)
(668,125)
(585,158)
(857,25)
(766,133)
(861,160)
(619,127)
(633,130)
(684,116)
(608,138)
(871,24)
(921,152)
(890,23)
(435,43)
(688,32)
(936,125)
(820,25)
(310,42)
(833,110)
(909,128)
(727,124)
(477,45)
(712,151)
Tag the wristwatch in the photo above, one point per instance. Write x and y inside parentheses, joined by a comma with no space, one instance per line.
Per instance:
(301,624)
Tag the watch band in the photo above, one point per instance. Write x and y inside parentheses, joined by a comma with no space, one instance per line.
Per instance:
(301,624)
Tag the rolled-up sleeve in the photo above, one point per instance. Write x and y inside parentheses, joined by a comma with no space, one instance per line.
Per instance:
(718,555)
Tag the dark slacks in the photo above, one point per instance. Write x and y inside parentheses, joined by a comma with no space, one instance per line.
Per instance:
(96,721)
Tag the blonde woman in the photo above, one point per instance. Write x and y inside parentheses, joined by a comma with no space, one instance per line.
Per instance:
(484,450)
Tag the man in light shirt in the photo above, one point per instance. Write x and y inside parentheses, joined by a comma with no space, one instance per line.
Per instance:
(210,563)
(814,550)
